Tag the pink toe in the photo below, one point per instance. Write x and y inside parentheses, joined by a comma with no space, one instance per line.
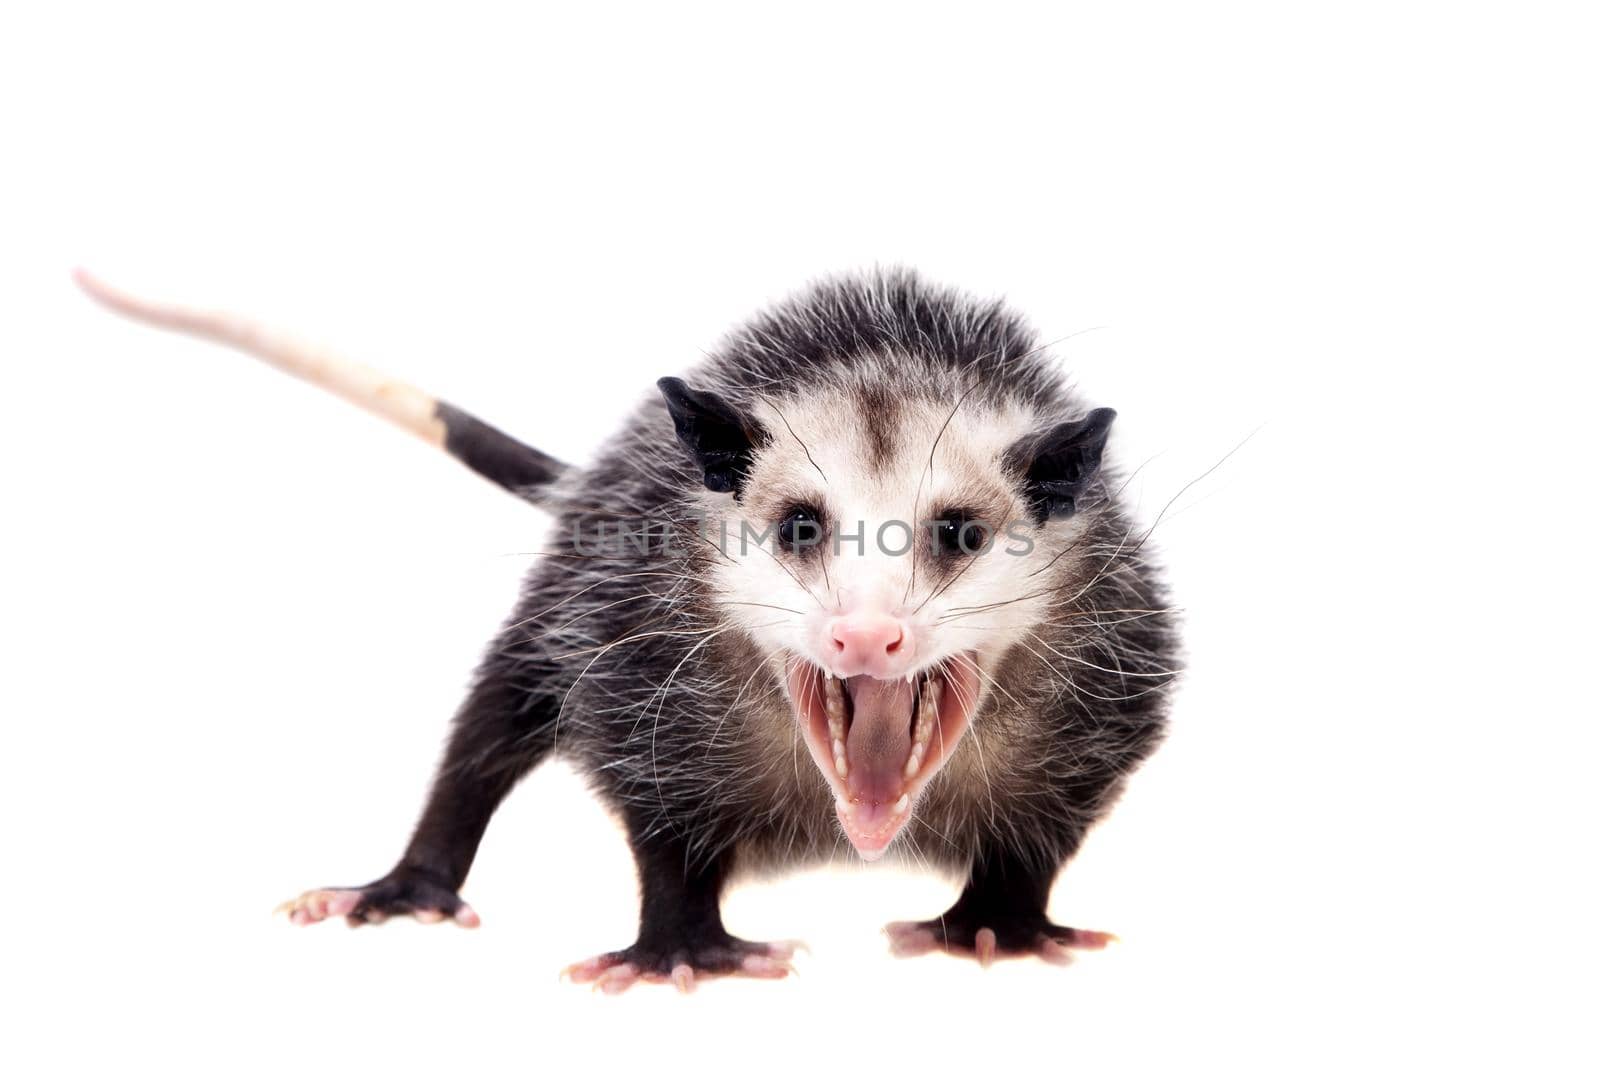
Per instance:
(588,970)
(683,978)
(909,939)
(343,903)
(1053,951)
(1092,938)
(984,945)
(757,966)
(465,916)
(785,950)
(618,979)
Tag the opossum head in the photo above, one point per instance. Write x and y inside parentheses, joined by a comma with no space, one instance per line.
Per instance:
(886,547)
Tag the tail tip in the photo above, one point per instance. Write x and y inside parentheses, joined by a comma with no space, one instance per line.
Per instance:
(89,282)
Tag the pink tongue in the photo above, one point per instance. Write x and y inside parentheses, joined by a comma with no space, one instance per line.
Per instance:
(879,742)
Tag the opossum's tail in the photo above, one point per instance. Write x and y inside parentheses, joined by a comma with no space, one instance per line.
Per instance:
(500,458)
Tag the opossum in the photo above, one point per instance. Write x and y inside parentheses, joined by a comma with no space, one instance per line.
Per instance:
(857,582)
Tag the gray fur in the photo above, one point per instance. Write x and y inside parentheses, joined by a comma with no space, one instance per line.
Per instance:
(666,702)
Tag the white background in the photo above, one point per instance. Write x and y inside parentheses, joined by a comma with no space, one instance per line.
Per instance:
(238,614)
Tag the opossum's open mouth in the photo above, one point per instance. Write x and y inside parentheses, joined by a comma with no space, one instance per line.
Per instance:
(879,741)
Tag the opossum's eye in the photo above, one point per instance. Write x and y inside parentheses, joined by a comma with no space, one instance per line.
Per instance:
(800,527)
(1058,464)
(958,533)
(713,432)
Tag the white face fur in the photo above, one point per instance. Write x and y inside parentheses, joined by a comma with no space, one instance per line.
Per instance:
(947,614)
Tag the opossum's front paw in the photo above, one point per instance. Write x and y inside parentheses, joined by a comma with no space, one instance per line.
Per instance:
(685,965)
(993,937)
(401,892)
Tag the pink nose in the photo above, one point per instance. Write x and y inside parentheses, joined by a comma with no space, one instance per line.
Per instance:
(869,642)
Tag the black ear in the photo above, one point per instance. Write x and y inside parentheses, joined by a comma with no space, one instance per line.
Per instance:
(713,433)
(1058,464)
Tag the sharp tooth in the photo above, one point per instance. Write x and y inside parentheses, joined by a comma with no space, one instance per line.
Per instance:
(902,804)
(833,704)
(922,729)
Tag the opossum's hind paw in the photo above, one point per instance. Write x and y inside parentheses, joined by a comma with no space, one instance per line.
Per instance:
(394,894)
(685,966)
(1008,937)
